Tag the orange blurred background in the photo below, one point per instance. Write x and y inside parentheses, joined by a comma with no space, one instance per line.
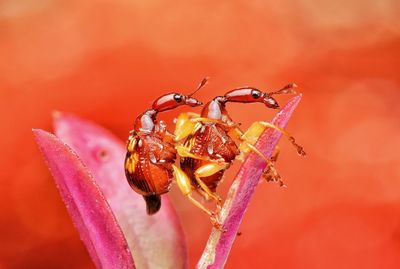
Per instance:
(107,60)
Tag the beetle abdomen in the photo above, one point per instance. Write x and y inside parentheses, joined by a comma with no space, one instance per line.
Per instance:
(149,178)
(148,167)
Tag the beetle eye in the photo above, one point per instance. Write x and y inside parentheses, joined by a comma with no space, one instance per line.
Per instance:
(256,94)
(178,98)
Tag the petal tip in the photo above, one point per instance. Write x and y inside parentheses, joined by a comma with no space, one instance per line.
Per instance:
(296,99)
(36,130)
(41,135)
(86,204)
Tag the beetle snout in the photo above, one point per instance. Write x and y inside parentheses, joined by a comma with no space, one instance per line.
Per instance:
(270,102)
(190,101)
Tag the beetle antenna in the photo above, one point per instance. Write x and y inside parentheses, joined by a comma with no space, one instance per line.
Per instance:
(288,89)
(202,83)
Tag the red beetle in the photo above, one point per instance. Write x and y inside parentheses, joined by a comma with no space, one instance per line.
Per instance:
(151,151)
(210,147)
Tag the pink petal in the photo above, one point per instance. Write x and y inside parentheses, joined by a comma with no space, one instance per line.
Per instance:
(156,241)
(220,243)
(86,204)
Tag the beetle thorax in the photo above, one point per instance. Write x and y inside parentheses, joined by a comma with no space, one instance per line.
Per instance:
(145,122)
(214,110)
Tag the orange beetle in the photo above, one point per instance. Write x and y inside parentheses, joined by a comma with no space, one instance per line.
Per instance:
(210,147)
(151,153)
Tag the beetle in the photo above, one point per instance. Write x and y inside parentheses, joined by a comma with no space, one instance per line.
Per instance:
(151,150)
(210,147)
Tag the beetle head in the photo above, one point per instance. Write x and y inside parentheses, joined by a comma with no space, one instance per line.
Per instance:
(253,95)
(174,100)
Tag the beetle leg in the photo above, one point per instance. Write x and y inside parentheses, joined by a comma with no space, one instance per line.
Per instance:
(214,216)
(276,153)
(255,131)
(192,114)
(273,159)
(208,170)
(203,194)
(235,132)
(249,138)
(208,120)
(186,188)
(185,126)
(184,152)
(270,173)
(203,120)
(292,140)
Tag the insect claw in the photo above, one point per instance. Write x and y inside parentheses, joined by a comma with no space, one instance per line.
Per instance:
(216,222)
(270,174)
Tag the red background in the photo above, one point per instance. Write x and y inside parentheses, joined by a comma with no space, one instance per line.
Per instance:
(107,60)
